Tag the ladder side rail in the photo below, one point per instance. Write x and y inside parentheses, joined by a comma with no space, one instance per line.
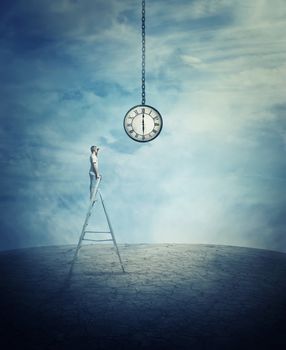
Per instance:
(85,222)
(111,231)
(87,215)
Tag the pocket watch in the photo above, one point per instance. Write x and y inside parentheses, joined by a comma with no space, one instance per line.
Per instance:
(143,123)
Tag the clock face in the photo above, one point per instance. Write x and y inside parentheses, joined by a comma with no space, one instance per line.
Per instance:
(143,123)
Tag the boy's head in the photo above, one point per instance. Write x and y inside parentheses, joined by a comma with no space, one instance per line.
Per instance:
(94,148)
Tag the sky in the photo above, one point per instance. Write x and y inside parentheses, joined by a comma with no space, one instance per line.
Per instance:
(216,71)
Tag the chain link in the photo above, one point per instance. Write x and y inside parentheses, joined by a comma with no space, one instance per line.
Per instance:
(143,52)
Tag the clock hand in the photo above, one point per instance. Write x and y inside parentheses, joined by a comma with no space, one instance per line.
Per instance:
(143,126)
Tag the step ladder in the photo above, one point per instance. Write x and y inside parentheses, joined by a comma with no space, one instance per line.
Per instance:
(84,230)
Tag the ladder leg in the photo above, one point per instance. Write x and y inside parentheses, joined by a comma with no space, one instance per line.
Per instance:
(111,231)
(92,201)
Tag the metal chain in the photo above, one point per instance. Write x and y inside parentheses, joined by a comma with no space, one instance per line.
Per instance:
(143,52)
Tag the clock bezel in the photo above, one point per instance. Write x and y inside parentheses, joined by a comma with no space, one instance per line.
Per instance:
(143,106)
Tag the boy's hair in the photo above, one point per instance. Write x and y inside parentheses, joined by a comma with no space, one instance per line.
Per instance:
(93,148)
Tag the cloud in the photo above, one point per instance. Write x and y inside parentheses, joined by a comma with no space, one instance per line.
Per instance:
(191,60)
(216,72)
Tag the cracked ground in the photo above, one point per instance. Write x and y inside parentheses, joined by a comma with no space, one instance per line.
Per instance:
(172,296)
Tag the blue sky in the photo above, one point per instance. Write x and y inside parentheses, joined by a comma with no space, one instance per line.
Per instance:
(216,71)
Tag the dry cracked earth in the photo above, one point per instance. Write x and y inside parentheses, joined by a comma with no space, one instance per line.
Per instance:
(171,297)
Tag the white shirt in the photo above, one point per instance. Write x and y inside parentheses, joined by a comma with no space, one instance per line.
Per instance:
(93,159)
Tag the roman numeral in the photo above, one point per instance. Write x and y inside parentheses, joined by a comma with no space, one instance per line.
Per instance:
(128,125)
(136,112)
(156,124)
(143,110)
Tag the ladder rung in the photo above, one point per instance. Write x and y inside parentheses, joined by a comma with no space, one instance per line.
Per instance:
(97,231)
(97,240)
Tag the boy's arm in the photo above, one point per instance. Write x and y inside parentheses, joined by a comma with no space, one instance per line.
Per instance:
(95,168)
